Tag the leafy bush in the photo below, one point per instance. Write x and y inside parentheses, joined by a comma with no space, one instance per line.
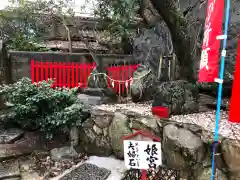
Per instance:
(38,106)
(19,42)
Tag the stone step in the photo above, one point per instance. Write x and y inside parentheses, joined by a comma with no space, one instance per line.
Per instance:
(90,100)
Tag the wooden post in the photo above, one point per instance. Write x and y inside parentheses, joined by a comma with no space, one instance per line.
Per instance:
(169,69)
(160,66)
(173,67)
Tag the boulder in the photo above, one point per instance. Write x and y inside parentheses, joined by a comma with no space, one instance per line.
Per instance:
(94,97)
(9,170)
(29,143)
(146,123)
(102,118)
(63,153)
(206,175)
(108,95)
(30,176)
(90,100)
(143,84)
(179,96)
(182,149)
(74,136)
(148,46)
(93,140)
(8,136)
(118,129)
(231,155)
(96,80)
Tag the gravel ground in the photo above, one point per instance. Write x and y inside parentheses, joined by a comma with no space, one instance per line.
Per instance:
(87,172)
(204,119)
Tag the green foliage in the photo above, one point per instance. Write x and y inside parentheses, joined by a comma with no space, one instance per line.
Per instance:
(38,106)
(19,42)
(123,15)
(23,24)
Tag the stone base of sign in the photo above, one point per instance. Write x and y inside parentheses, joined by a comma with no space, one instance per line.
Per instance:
(185,147)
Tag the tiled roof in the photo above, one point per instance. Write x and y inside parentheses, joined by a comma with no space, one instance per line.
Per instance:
(80,46)
(75,45)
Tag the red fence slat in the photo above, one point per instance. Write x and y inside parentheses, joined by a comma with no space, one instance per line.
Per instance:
(46,70)
(51,70)
(32,71)
(37,71)
(41,67)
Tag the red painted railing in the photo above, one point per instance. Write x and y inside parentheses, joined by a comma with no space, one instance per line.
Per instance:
(119,75)
(76,75)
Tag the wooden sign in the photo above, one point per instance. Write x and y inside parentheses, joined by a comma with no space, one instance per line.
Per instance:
(142,154)
(142,150)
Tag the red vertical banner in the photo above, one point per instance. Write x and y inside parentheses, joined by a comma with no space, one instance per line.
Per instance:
(209,67)
(234,115)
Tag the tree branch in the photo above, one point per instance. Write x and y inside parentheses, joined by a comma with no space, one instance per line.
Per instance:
(191,7)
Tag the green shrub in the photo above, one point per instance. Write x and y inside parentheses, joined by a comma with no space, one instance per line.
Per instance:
(38,106)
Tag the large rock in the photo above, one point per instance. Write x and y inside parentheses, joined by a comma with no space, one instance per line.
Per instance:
(30,176)
(93,140)
(8,136)
(9,170)
(102,118)
(90,100)
(30,143)
(182,149)
(63,153)
(206,175)
(146,123)
(150,44)
(143,86)
(97,80)
(97,96)
(108,95)
(231,155)
(179,96)
(118,129)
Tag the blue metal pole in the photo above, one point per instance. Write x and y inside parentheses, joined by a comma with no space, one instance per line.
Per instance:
(216,135)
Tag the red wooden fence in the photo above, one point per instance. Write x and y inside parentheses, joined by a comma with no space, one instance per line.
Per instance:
(76,75)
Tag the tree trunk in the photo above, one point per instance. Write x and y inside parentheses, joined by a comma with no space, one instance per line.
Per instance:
(182,41)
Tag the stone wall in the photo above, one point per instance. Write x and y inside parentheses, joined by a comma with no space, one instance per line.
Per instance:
(186,147)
